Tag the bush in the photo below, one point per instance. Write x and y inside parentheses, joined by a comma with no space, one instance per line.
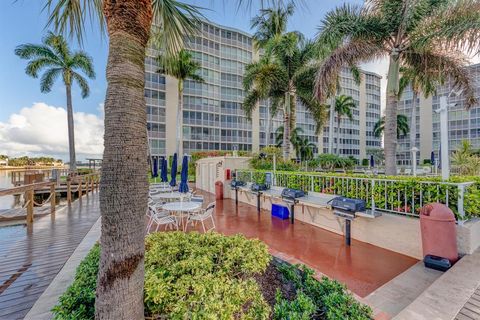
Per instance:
(427,161)
(365,162)
(330,297)
(301,308)
(187,276)
(191,275)
(78,302)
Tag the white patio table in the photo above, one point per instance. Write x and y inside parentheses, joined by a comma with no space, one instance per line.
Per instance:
(158,189)
(170,196)
(182,207)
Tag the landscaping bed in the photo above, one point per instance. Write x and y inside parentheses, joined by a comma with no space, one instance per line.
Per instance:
(211,276)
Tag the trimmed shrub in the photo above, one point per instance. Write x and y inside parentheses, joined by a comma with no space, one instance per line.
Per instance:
(78,302)
(301,308)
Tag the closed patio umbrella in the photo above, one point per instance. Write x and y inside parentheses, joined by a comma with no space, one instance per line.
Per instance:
(173,172)
(163,173)
(432,158)
(155,168)
(183,187)
(372,161)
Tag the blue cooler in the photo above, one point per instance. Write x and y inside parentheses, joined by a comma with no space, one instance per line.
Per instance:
(280,211)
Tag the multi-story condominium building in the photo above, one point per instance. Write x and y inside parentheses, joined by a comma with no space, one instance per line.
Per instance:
(462,124)
(213,118)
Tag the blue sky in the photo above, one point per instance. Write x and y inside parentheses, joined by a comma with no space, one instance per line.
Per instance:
(23,21)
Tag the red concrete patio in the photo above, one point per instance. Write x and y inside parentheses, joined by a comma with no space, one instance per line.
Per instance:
(362,267)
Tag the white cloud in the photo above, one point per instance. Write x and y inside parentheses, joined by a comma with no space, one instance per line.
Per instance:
(42,130)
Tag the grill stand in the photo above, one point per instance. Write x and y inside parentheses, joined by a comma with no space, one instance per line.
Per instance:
(236,196)
(347,232)
(258,202)
(348,216)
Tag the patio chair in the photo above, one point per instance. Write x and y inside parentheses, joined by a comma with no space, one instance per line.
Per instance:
(197,199)
(203,215)
(160,218)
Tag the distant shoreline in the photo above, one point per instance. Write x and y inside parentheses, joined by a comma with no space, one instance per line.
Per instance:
(26,168)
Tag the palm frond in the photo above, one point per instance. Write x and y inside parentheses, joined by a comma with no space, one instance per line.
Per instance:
(70,16)
(30,51)
(82,83)
(173,21)
(48,78)
(35,66)
(83,61)
(352,53)
(250,102)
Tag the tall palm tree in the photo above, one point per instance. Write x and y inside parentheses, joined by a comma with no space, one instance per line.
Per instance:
(343,107)
(55,56)
(295,135)
(402,126)
(402,31)
(180,66)
(284,76)
(124,184)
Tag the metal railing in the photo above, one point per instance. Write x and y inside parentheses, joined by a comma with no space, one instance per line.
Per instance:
(399,196)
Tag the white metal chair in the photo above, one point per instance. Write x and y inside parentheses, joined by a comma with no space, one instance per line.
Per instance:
(203,215)
(160,218)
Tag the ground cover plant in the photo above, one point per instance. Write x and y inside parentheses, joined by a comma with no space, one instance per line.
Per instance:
(211,276)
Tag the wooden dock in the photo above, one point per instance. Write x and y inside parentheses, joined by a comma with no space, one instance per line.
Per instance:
(31,256)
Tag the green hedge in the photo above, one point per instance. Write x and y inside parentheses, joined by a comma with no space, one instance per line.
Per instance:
(211,276)
(402,188)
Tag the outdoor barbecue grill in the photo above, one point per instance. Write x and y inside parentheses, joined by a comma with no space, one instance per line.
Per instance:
(235,184)
(257,189)
(347,208)
(290,196)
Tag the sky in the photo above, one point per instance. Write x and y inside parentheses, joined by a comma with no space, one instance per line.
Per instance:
(22,131)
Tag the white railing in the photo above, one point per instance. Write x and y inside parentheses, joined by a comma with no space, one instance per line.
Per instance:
(399,196)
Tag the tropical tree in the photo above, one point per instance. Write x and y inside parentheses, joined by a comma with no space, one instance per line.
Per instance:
(129,27)
(271,23)
(180,66)
(285,75)
(402,126)
(465,160)
(411,34)
(343,107)
(304,149)
(294,136)
(55,56)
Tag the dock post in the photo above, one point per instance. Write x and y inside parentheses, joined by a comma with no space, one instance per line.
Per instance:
(52,199)
(87,182)
(80,191)
(69,190)
(29,195)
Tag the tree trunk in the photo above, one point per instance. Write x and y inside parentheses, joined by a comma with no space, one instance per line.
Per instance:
(286,128)
(413,124)
(179,118)
(124,185)
(339,120)
(331,129)
(268,123)
(390,130)
(71,131)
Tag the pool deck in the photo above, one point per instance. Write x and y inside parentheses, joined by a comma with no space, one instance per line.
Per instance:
(31,257)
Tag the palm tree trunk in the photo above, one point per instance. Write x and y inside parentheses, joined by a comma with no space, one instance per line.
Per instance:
(413,124)
(286,128)
(179,117)
(390,130)
(71,131)
(339,120)
(268,124)
(124,185)
(331,129)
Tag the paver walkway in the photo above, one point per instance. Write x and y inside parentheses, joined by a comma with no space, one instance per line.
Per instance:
(31,257)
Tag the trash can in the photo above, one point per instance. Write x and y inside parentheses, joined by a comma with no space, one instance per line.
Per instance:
(439,233)
(219,190)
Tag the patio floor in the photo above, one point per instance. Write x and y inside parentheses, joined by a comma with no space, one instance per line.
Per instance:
(362,267)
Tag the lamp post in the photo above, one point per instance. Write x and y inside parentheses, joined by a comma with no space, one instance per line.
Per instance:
(443,111)
(414,160)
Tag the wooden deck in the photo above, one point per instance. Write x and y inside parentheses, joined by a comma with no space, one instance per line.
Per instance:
(471,309)
(30,257)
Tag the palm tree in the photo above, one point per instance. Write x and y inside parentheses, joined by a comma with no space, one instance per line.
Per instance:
(180,66)
(270,23)
(304,149)
(343,107)
(411,34)
(55,56)
(124,186)
(294,136)
(402,126)
(284,75)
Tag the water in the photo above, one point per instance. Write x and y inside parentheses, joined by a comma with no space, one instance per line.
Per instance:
(6,202)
